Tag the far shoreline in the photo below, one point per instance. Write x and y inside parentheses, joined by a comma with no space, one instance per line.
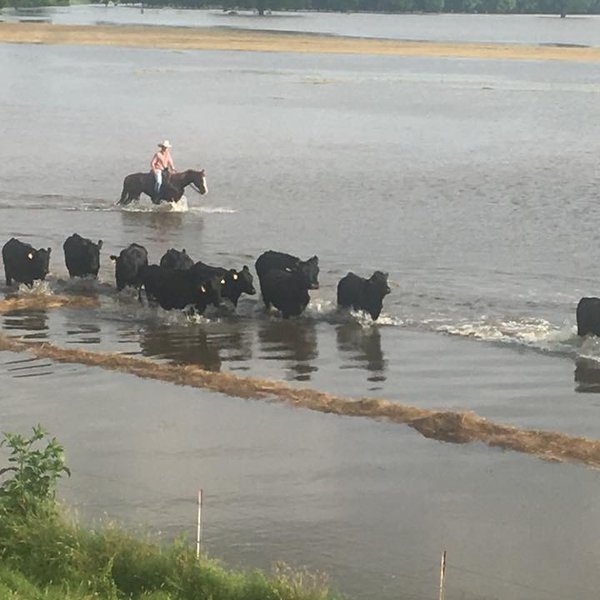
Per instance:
(225,38)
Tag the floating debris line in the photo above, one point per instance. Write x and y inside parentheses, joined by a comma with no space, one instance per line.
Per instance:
(39,301)
(447,426)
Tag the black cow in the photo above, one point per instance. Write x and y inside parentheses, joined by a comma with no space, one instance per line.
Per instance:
(23,263)
(174,259)
(272,260)
(363,294)
(82,256)
(129,265)
(176,288)
(286,290)
(235,283)
(588,316)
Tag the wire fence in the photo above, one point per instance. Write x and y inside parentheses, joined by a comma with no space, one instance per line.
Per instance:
(422,571)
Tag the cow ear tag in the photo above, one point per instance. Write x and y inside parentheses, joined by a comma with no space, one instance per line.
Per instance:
(288,269)
(203,289)
(235,276)
(222,282)
(30,256)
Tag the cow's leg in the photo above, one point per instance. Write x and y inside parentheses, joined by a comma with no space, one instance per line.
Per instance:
(8,277)
(265,298)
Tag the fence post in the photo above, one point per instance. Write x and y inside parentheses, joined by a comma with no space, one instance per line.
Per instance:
(442,575)
(199,529)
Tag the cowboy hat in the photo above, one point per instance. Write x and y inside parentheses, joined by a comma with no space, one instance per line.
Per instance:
(165,144)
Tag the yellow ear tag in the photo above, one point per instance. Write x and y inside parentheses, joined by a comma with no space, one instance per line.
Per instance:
(30,256)
(235,276)
(203,289)
(222,282)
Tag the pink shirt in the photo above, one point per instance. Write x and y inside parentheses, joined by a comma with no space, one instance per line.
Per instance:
(162,160)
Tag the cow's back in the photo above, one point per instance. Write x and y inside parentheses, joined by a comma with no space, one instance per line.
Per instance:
(82,256)
(177,288)
(129,265)
(23,263)
(271,259)
(349,290)
(175,259)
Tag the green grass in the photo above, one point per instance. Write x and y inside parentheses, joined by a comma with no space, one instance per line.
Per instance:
(46,555)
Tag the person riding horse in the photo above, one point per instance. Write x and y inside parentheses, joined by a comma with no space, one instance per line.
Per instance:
(161,163)
(162,182)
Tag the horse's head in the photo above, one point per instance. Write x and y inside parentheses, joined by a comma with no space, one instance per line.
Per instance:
(199,181)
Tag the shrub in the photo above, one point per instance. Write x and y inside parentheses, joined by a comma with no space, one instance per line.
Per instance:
(35,470)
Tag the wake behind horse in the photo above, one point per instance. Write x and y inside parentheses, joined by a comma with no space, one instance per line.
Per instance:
(171,190)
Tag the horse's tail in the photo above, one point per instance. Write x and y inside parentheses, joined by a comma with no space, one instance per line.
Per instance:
(124,197)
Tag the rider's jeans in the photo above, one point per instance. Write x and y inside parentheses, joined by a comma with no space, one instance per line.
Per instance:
(157,181)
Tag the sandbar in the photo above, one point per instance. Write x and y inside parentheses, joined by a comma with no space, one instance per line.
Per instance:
(216,38)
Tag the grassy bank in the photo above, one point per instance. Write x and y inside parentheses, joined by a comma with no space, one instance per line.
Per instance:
(264,41)
(45,554)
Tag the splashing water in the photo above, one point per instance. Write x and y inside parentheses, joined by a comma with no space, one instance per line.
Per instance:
(167,207)
(533,333)
(39,288)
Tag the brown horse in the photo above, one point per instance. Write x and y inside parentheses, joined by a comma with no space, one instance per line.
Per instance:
(171,189)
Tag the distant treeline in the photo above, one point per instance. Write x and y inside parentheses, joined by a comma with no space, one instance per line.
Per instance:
(33,3)
(561,7)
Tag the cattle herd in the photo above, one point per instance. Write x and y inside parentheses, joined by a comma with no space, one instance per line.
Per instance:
(178,282)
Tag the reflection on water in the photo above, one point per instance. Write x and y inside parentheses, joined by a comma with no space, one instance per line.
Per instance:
(33,14)
(29,367)
(33,323)
(292,341)
(363,345)
(83,333)
(206,345)
(161,223)
(587,375)
(186,344)
(234,343)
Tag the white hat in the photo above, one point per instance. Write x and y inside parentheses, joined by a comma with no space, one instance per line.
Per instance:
(165,144)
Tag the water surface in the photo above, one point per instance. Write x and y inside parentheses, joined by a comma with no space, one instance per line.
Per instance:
(473,183)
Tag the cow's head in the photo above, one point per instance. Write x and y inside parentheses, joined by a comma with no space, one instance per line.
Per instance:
(39,261)
(310,270)
(379,282)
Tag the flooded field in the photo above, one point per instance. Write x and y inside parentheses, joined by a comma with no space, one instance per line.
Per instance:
(473,183)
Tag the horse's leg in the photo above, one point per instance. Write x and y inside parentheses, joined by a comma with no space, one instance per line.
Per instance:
(171,193)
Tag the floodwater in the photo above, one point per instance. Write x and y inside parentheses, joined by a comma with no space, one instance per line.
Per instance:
(473,183)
